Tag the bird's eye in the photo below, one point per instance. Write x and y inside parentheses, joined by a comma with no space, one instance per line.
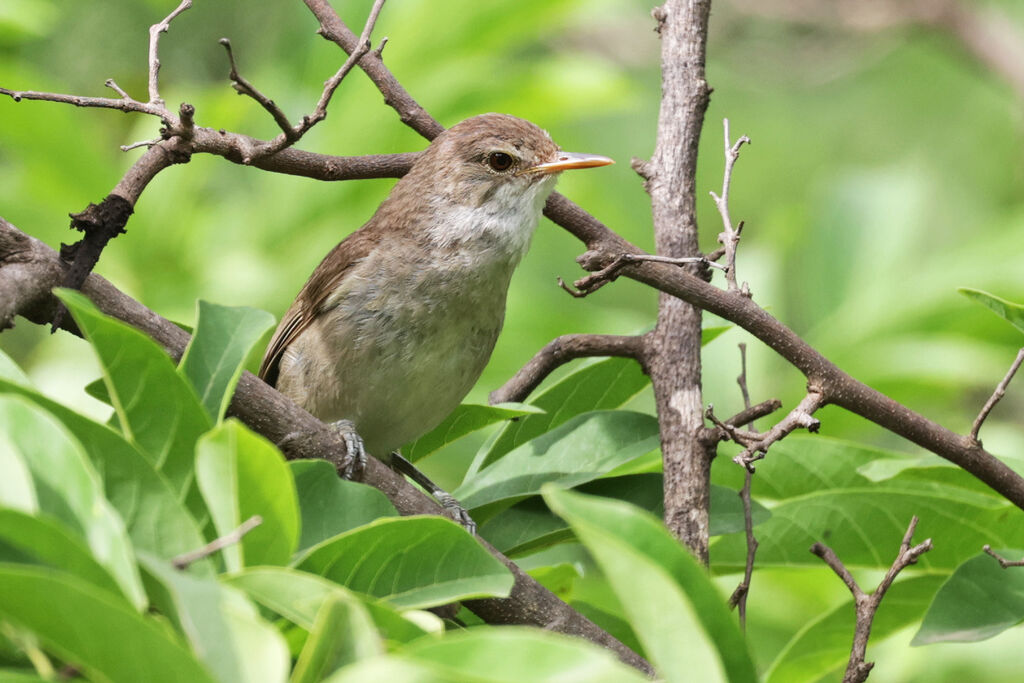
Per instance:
(499,161)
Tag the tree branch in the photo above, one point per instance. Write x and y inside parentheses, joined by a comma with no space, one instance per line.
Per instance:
(996,396)
(866,605)
(558,352)
(29,270)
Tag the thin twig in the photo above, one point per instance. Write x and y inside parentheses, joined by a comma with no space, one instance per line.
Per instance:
(184,560)
(800,417)
(593,282)
(244,87)
(1003,562)
(866,605)
(996,396)
(730,236)
(739,596)
(154,46)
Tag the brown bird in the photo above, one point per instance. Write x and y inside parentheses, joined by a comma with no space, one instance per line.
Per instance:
(395,325)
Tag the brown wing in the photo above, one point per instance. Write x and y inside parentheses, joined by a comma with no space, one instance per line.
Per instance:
(310,300)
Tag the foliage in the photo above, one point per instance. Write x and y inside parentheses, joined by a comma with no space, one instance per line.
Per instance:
(882,177)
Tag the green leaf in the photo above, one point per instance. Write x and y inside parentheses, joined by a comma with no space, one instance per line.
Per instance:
(412,562)
(524,654)
(156,520)
(10,371)
(299,596)
(1009,311)
(343,633)
(44,541)
(215,356)
(241,474)
(331,505)
(97,631)
(823,644)
(395,669)
(156,407)
(582,449)
(43,468)
(223,626)
(466,419)
(603,385)
(980,600)
(675,609)
(824,497)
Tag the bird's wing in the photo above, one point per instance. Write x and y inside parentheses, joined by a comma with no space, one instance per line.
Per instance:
(308,304)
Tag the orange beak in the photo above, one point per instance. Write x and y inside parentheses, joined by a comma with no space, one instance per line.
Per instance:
(569,160)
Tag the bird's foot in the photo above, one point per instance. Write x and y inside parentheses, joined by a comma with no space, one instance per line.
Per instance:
(452,507)
(355,451)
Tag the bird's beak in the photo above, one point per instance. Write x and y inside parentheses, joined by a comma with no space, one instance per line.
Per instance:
(569,160)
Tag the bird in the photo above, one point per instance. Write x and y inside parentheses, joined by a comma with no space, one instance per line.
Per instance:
(396,324)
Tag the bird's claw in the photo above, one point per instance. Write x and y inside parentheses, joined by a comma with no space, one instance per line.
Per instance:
(355,451)
(454,509)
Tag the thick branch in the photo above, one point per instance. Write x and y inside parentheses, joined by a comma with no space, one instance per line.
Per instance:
(29,270)
(558,352)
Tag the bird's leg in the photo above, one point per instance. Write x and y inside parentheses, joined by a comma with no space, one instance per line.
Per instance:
(445,500)
(355,453)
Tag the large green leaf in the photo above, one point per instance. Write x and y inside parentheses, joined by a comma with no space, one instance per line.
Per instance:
(41,540)
(1009,311)
(44,469)
(582,449)
(215,357)
(331,505)
(980,600)
(824,495)
(412,562)
(823,644)
(97,631)
(156,407)
(241,474)
(10,371)
(603,385)
(466,419)
(223,626)
(672,605)
(512,655)
(342,633)
(156,520)
(528,525)
(299,596)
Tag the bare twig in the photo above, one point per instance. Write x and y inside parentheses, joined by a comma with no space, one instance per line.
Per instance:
(595,281)
(996,395)
(559,351)
(730,236)
(185,559)
(244,87)
(154,47)
(1003,562)
(739,596)
(800,417)
(866,605)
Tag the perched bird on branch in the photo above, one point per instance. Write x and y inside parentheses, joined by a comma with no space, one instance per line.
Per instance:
(395,325)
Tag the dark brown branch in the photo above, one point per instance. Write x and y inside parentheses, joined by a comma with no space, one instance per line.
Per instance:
(560,351)
(244,87)
(29,270)
(996,395)
(1003,562)
(866,605)
(184,560)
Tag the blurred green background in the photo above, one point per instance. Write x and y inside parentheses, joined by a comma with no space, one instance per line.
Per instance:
(885,172)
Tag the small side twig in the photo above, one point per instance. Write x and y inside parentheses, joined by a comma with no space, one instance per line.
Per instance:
(730,236)
(1003,562)
(184,560)
(596,280)
(154,50)
(244,87)
(739,596)
(756,445)
(996,395)
(866,605)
